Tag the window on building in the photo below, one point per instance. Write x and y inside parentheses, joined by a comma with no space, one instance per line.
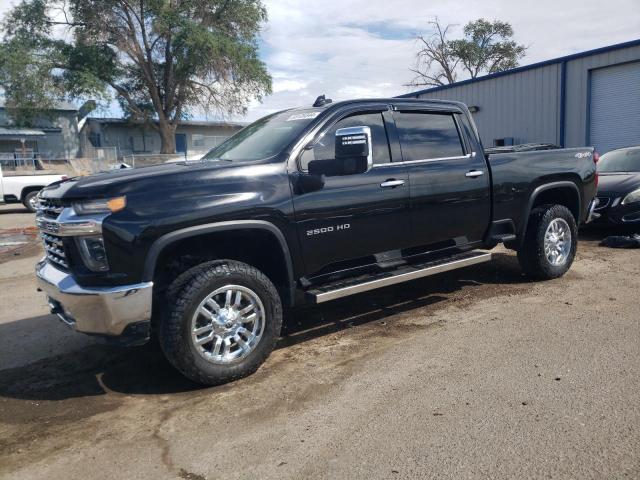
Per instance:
(137,143)
(425,136)
(206,141)
(197,140)
(95,140)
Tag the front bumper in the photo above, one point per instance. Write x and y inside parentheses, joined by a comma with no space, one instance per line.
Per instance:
(613,213)
(110,311)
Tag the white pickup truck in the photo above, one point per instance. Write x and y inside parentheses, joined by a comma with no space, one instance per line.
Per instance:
(24,188)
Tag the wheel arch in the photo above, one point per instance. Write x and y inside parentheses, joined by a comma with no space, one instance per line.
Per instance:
(27,190)
(564,193)
(169,240)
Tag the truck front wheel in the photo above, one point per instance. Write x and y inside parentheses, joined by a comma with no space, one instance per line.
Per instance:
(31,200)
(222,321)
(550,243)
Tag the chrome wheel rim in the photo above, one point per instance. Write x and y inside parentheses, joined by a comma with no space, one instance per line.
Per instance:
(228,324)
(33,202)
(557,242)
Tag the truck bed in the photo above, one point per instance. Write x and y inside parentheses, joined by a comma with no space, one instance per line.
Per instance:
(516,176)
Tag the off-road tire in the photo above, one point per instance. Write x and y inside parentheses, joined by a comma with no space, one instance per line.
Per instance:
(28,198)
(183,297)
(531,255)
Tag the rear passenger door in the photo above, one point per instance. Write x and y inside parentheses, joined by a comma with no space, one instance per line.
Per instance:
(449,183)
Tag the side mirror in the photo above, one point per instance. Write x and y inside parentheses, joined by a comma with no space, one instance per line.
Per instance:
(353,154)
(353,144)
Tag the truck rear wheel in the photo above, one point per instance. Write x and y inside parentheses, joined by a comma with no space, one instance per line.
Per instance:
(223,320)
(550,243)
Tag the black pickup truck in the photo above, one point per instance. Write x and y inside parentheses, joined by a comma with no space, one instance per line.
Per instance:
(303,206)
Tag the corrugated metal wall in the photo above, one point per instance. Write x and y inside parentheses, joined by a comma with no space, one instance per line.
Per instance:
(526,104)
(615,107)
(578,90)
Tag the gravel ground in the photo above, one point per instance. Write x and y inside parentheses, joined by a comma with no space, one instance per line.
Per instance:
(14,215)
(473,374)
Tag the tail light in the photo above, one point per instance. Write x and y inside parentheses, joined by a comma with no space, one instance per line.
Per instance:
(596,159)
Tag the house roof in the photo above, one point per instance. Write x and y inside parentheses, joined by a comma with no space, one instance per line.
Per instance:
(60,106)
(618,46)
(192,123)
(8,133)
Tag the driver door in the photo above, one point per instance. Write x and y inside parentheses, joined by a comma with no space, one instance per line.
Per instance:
(355,216)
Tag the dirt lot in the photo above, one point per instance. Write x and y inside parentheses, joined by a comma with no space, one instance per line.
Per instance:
(477,373)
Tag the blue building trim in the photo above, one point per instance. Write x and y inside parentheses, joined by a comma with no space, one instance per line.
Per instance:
(587,126)
(563,103)
(565,59)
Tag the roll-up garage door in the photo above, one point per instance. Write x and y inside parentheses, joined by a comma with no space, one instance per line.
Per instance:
(615,107)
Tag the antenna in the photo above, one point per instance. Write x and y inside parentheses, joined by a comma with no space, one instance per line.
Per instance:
(321,101)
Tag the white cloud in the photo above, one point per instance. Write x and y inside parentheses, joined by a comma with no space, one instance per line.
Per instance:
(364,48)
(6,5)
(288,85)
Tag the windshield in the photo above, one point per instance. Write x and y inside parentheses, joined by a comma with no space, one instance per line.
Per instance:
(264,138)
(625,160)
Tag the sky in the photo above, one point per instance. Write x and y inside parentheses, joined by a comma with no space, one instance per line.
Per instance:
(364,48)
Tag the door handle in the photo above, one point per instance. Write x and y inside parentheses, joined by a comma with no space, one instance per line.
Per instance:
(474,173)
(392,183)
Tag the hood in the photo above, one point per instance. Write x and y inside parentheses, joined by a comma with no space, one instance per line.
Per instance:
(611,184)
(121,182)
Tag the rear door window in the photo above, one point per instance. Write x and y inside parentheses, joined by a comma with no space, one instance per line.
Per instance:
(427,136)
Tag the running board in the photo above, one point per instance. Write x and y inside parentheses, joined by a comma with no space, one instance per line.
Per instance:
(345,288)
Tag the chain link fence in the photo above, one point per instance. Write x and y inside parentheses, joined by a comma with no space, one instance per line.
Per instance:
(96,160)
(147,159)
(36,166)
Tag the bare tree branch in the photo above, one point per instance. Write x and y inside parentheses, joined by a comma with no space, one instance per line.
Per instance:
(435,65)
(486,48)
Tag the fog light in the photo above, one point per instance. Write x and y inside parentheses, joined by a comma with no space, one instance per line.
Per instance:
(93,253)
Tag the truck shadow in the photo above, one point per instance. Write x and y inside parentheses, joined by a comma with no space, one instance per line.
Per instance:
(16,209)
(100,368)
(312,322)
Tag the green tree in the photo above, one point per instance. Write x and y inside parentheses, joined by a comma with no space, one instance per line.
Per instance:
(161,59)
(487,47)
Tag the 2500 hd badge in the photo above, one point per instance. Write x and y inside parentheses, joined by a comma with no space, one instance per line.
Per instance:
(320,231)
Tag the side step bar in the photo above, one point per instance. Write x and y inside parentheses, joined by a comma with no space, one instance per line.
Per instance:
(326,293)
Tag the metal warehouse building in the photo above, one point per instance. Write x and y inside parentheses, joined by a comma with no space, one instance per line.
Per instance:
(589,98)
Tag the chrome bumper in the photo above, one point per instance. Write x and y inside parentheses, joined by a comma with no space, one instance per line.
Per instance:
(96,310)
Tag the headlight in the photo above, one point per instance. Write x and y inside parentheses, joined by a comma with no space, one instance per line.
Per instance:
(93,253)
(633,197)
(107,205)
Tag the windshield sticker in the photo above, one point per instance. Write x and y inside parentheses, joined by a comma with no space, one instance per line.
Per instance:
(303,116)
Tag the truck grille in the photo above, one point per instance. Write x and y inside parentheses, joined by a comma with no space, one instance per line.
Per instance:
(49,207)
(54,249)
(48,211)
